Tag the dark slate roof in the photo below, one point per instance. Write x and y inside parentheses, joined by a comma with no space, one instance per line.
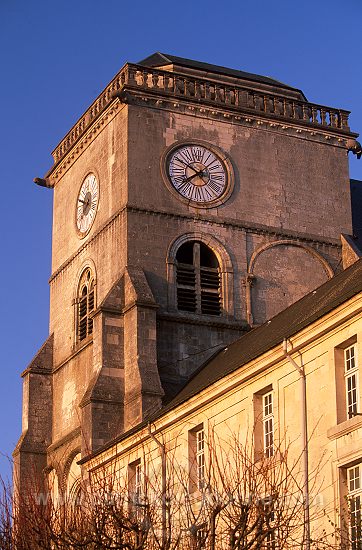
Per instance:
(158,59)
(258,341)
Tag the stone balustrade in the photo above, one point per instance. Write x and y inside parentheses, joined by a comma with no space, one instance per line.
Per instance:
(211,93)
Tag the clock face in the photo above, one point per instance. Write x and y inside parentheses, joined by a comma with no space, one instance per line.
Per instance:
(197,173)
(87,203)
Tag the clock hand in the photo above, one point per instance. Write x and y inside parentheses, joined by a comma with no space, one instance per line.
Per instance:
(199,173)
(187,165)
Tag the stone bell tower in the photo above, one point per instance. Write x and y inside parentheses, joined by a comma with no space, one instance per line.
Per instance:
(191,202)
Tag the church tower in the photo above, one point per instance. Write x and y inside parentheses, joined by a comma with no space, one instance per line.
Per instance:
(191,203)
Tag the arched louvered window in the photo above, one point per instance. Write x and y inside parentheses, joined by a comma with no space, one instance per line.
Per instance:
(198,279)
(85,305)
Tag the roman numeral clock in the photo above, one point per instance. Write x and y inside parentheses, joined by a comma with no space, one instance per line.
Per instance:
(87,203)
(199,174)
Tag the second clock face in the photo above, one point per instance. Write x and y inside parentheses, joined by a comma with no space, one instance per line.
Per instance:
(197,173)
(87,203)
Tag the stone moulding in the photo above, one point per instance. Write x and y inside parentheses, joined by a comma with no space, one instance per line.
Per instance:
(109,223)
(81,142)
(289,242)
(213,93)
(344,428)
(243,226)
(239,325)
(248,227)
(69,437)
(251,277)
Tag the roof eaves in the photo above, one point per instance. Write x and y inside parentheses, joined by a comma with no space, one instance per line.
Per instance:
(348,292)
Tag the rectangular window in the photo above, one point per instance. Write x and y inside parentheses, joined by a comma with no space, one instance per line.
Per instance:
(200,458)
(263,404)
(201,536)
(354,478)
(346,379)
(138,483)
(351,381)
(135,485)
(269,543)
(265,528)
(269,523)
(197,458)
(268,424)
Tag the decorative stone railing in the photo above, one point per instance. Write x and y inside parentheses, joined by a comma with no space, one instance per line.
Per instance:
(211,93)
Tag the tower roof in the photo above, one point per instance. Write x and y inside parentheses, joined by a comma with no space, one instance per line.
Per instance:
(198,82)
(164,60)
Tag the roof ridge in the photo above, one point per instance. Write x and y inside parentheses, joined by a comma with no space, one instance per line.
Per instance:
(156,58)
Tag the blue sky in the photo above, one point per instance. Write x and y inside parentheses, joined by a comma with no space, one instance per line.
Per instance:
(55,59)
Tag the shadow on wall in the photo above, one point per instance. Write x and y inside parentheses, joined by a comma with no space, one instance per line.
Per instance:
(282,275)
(356,200)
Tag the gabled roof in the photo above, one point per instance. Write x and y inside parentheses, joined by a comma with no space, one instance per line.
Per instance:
(258,341)
(159,60)
(285,324)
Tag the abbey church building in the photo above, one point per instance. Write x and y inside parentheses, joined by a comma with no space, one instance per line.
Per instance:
(192,203)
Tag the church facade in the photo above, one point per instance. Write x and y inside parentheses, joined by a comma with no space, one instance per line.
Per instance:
(191,204)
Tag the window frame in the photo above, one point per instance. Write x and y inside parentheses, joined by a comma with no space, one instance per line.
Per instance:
(197,459)
(198,285)
(85,305)
(269,512)
(201,537)
(135,487)
(261,421)
(268,423)
(352,407)
(342,377)
(226,273)
(354,495)
(200,458)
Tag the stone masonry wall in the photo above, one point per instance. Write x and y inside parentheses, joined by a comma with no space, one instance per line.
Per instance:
(281,181)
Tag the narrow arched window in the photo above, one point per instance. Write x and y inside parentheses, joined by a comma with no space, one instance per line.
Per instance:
(85,305)
(198,279)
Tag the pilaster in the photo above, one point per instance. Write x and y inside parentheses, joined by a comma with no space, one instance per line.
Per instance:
(102,405)
(30,458)
(143,390)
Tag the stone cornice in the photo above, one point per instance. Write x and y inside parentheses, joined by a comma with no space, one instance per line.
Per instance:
(344,428)
(228,222)
(250,121)
(65,439)
(139,304)
(77,350)
(245,116)
(242,225)
(206,97)
(208,321)
(86,244)
(80,143)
